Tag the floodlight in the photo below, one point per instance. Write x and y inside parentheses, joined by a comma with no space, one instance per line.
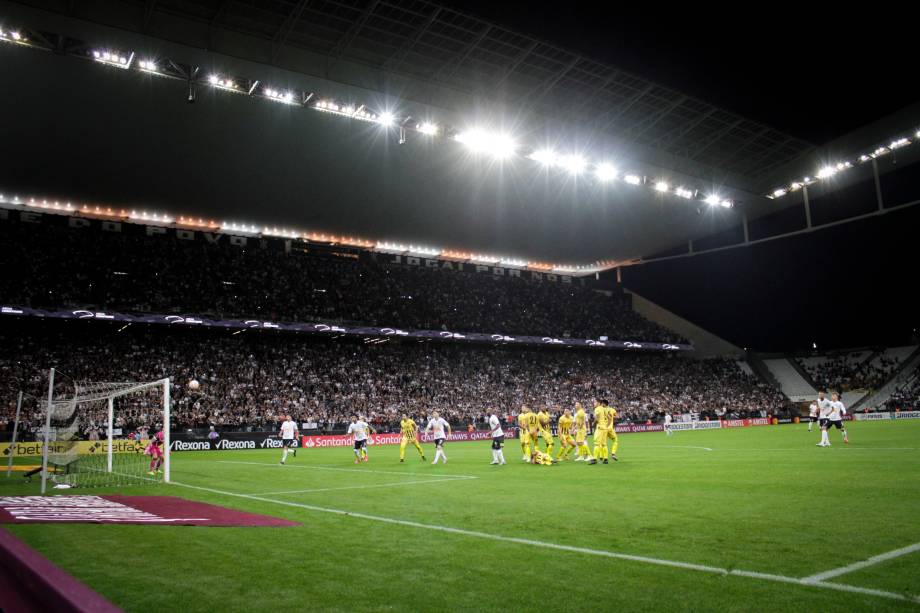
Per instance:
(547,157)
(386,119)
(605,172)
(633,179)
(712,200)
(427,128)
(661,186)
(827,172)
(777,193)
(683,192)
(499,146)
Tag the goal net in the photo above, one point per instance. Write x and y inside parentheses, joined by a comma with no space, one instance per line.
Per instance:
(97,434)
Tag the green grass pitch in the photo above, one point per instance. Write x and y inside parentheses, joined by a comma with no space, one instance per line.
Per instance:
(468,536)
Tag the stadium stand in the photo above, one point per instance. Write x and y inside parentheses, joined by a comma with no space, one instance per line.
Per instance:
(858,372)
(248,380)
(89,268)
(790,381)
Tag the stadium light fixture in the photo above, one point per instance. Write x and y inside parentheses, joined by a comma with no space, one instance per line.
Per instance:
(683,192)
(13,36)
(148,66)
(827,172)
(386,118)
(285,97)
(633,179)
(547,157)
(498,146)
(113,57)
(605,172)
(427,128)
(712,200)
(661,186)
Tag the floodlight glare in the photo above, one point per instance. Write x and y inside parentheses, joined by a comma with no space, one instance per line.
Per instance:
(547,157)
(713,200)
(605,172)
(386,119)
(633,179)
(574,163)
(826,172)
(428,128)
(499,146)
(777,193)
(726,204)
(683,192)
(661,186)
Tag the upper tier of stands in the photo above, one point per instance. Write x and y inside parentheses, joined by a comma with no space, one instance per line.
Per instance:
(50,265)
(855,372)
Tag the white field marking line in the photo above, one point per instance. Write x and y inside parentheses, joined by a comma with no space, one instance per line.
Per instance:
(364,487)
(569,548)
(882,557)
(836,447)
(347,470)
(678,447)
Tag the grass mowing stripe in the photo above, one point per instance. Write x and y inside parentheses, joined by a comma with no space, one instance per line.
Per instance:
(882,557)
(365,487)
(568,548)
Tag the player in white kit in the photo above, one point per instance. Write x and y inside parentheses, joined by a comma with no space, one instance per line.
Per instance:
(438,425)
(838,412)
(812,414)
(359,428)
(288,435)
(667,424)
(498,439)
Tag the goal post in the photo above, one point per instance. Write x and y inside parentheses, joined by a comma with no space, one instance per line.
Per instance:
(86,435)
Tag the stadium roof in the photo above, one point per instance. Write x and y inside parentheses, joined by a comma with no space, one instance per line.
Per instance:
(427,59)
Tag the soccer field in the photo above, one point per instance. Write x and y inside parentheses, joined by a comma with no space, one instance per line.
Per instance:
(744,519)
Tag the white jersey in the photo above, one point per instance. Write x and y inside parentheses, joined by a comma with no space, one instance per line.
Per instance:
(437,425)
(359,429)
(824,408)
(813,409)
(667,419)
(837,411)
(495,427)
(287,430)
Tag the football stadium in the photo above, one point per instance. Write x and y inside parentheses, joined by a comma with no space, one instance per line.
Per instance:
(398,305)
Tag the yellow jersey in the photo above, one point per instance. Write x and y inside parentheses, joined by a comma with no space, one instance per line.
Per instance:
(565,424)
(612,417)
(544,420)
(408,427)
(533,422)
(524,420)
(581,420)
(600,417)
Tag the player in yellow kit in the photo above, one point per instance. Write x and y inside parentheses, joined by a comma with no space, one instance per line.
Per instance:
(409,430)
(566,442)
(612,432)
(581,433)
(524,431)
(604,417)
(545,432)
(540,458)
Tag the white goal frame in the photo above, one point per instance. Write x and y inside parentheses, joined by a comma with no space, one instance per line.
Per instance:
(109,396)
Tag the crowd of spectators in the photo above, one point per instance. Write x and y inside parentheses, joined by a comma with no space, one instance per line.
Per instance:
(906,397)
(52,266)
(852,371)
(248,381)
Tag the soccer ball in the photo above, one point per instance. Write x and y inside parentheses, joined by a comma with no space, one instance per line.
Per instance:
(194,385)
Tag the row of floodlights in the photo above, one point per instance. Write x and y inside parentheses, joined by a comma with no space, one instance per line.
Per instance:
(832,170)
(206,225)
(479,141)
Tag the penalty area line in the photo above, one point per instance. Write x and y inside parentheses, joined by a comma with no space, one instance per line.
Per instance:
(569,548)
(882,557)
